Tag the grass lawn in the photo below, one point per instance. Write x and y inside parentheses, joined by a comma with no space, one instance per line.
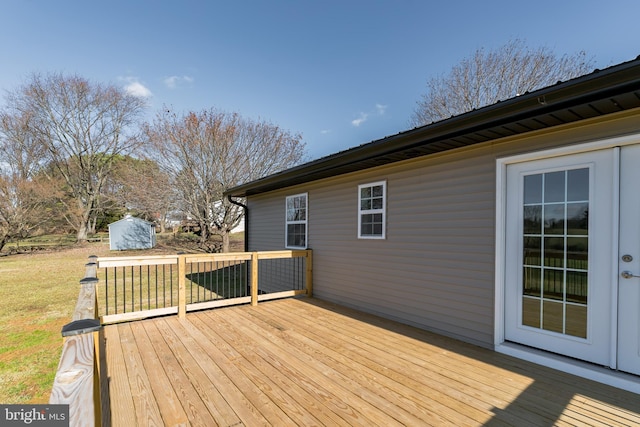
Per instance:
(38,293)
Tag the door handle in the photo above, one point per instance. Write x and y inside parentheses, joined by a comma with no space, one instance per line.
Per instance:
(628,275)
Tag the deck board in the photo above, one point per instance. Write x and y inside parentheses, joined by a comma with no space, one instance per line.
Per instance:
(309,362)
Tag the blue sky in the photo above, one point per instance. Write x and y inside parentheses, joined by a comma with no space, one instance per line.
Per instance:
(340,72)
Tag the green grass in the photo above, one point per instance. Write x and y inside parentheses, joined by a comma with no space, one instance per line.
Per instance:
(38,293)
(225,282)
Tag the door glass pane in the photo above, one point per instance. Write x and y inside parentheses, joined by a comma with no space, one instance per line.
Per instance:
(531,312)
(555,240)
(532,189)
(578,185)
(576,320)
(533,219)
(554,216)
(531,281)
(552,315)
(554,188)
(532,250)
(577,218)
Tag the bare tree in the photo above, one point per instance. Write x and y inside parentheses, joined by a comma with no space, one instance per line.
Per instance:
(209,152)
(491,76)
(82,126)
(141,187)
(24,200)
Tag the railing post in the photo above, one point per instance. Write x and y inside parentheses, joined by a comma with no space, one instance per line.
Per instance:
(254,278)
(182,272)
(309,273)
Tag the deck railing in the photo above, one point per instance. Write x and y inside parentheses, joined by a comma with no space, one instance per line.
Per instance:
(77,381)
(139,287)
(118,289)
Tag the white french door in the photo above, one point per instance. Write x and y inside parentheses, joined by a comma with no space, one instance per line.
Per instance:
(558,266)
(628,355)
(572,256)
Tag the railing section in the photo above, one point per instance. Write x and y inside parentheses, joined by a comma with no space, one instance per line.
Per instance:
(77,379)
(139,287)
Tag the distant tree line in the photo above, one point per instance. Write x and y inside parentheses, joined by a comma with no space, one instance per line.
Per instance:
(76,155)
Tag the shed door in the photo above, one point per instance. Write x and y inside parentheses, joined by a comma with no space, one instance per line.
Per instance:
(558,266)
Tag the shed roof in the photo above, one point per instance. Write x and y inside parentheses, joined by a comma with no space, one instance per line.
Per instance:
(130,218)
(601,92)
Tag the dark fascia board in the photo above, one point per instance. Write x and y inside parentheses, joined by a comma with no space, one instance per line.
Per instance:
(601,84)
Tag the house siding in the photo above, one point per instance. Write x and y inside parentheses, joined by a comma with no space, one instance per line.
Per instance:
(436,267)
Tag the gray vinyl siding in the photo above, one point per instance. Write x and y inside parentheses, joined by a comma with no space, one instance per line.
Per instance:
(436,267)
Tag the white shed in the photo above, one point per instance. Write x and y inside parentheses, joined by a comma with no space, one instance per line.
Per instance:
(131,233)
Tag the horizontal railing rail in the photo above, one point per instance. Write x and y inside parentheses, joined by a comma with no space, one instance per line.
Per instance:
(133,288)
(77,380)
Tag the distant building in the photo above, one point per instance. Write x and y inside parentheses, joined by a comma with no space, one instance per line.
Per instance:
(131,233)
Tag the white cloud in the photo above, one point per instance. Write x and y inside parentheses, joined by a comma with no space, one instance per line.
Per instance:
(135,88)
(325,131)
(357,122)
(380,110)
(174,81)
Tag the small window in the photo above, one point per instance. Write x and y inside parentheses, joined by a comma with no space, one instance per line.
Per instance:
(296,222)
(372,210)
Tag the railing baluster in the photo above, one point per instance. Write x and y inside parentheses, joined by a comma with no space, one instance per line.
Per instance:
(106,291)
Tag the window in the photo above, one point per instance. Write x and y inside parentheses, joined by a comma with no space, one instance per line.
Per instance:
(296,221)
(372,210)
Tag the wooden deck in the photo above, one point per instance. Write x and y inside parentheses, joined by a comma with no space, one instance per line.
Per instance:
(308,362)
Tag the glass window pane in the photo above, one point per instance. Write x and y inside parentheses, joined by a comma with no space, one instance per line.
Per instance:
(577,218)
(578,253)
(577,288)
(553,284)
(366,229)
(365,192)
(554,219)
(531,281)
(578,185)
(533,219)
(552,316)
(296,235)
(376,203)
(554,252)
(365,204)
(291,214)
(533,189)
(531,312)
(554,187)
(532,251)
(377,191)
(576,322)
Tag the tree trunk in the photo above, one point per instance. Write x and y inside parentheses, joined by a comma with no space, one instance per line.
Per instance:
(82,233)
(226,243)
(3,241)
(204,233)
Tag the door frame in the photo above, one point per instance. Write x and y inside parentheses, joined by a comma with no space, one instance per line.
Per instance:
(584,369)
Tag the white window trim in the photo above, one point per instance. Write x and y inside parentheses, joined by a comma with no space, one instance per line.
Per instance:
(305,222)
(383,211)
